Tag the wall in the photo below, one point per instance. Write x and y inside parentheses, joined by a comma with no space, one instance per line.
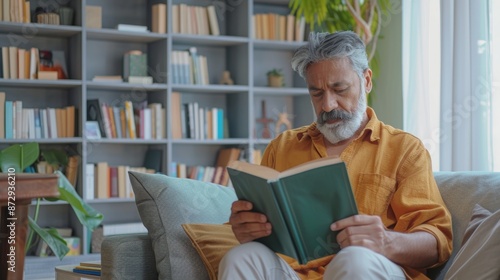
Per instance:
(388,86)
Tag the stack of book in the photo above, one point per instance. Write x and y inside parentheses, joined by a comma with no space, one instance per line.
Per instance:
(88,268)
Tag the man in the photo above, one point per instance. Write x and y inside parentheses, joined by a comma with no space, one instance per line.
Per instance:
(403,226)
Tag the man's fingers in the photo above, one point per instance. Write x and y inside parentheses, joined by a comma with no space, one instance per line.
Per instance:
(356,220)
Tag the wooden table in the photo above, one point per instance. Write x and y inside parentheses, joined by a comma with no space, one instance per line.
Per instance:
(14,216)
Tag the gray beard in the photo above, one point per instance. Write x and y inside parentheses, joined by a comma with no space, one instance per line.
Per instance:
(349,124)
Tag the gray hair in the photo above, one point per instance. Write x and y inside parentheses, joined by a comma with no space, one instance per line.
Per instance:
(325,46)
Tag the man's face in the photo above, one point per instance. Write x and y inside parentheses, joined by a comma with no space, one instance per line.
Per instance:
(338,97)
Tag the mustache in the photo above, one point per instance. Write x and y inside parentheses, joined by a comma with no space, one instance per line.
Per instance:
(334,115)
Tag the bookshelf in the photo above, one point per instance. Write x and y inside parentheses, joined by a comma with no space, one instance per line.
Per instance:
(90,52)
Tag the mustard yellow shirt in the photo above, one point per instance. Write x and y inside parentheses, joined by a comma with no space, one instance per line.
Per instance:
(391,176)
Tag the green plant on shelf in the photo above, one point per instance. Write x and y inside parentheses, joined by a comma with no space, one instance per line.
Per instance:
(275,78)
(275,72)
(21,156)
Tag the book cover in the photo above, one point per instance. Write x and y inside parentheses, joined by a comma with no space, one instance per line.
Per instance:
(159,18)
(94,114)
(53,60)
(301,203)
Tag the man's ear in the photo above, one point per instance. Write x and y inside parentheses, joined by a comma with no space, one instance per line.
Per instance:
(368,80)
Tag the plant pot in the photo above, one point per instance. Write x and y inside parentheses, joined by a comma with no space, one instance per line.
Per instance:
(275,81)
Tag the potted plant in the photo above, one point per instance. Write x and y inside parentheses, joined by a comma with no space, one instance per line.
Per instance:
(275,78)
(19,157)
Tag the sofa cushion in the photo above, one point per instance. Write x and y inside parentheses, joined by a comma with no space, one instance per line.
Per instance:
(479,255)
(479,214)
(211,242)
(164,204)
(461,191)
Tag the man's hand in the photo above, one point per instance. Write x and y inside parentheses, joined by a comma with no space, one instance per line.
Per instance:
(416,249)
(362,230)
(248,225)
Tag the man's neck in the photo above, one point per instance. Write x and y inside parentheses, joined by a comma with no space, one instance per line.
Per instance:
(337,148)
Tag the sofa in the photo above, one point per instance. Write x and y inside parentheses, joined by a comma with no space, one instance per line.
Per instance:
(165,203)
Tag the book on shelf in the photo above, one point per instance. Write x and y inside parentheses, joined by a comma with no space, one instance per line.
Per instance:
(110,78)
(94,114)
(301,203)
(153,159)
(143,80)
(93,16)
(224,157)
(213,21)
(2,115)
(42,249)
(159,18)
(198,20)
(132,27)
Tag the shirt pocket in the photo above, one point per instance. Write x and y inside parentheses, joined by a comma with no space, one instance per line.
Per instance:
(374,193)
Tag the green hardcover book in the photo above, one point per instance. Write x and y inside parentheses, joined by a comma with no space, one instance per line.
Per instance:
(300,203)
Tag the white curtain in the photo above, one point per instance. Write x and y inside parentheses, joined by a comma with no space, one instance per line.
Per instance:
(458,130)
(465,86)
(421,73)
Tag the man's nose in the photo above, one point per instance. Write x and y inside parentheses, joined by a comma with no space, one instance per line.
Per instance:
(330,102)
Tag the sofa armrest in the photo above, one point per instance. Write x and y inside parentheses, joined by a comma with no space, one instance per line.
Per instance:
(128,257)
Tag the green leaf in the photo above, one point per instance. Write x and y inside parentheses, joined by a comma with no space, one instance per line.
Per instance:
(87,215)
(55,157)
(52,238)
(19,156)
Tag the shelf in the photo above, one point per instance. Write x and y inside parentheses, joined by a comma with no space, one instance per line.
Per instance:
(30,30)
(285,91)
(124,86)
(230,141)
(41,83)
(75,140)
(210,88)
(276,45)
(128,36)
(208,40)
(127,141)
(110,200)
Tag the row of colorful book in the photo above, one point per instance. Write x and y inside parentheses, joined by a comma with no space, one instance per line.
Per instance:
(189,67)
(105,181)
(278,27)
(15,11)
(17,122)
(140,120)
(18,63)
(198,122)
(196,20)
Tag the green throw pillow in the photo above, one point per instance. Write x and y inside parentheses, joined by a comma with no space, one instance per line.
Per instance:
(164,204)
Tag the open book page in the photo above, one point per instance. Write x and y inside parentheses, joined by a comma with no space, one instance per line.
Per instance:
(255,169)
(310,165)
(272,175)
